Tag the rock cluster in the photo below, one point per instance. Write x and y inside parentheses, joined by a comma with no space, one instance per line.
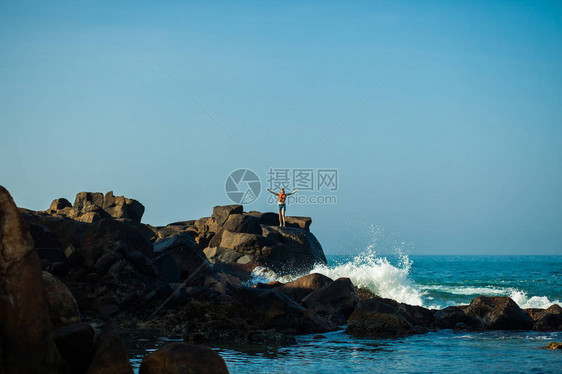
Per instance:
(72,277)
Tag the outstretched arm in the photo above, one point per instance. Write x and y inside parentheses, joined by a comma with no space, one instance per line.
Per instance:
(272,192)
(293,192)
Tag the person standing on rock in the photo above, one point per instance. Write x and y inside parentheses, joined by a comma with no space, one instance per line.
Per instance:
(282,196)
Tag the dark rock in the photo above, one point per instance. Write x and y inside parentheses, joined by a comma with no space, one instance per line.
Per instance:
(376,318)
(122,207)
(104,263)
(76,345)
(298,222)
(499,313)
(109,235)
(168,269)
(299,249)
(268,309)
(221,213)
(110,355)
(178,358)
(335,301)
(303,286)
(84,200)
(416,315)
(51,254)
(59,204)
(450,317)
(27,344)
(63,309)
(43,236)
(189,257)
(550,319)
(266,218)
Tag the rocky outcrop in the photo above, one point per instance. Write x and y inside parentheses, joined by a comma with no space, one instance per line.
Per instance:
(452,317)
(26,332)
(498,313)
(180,358)
(93,206)
(334,301)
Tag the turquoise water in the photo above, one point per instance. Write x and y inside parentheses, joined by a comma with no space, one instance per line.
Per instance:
(431,281)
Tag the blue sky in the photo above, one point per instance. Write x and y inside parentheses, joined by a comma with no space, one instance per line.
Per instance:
(459,153)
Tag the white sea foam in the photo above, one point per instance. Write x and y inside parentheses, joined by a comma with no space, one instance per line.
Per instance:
(366,270)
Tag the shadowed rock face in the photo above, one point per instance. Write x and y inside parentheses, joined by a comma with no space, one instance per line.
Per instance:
(25,328)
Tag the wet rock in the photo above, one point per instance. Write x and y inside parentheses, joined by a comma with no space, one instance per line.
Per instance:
(76,345)
(375,318)
(63,309)
(268,309)
(335,301)
(303,286)
(298,250)
(450,317)
(499,313)
(554,345)
(27,344)
(179,358)
(549,320)
(110,355)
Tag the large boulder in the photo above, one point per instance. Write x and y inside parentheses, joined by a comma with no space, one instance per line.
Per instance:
(378,319)
(63,309)
(122,207)
(110,355)
(301,287)
(334,301)
(26,332)
(180,358)
(299,249)
(251,244)
(76,343)
(221,213)
(499,313)
(109,235)
(189,257)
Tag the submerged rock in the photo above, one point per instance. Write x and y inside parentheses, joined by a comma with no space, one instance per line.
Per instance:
(180,358)
(376,318)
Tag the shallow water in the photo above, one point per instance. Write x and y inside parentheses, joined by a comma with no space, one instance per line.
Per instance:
(437,352)
(431,281)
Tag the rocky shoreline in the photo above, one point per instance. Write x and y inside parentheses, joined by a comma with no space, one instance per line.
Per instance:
(75,276)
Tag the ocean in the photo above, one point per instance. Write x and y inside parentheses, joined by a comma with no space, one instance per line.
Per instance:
(430,281)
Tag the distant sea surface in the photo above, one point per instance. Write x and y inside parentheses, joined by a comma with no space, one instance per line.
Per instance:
(430,281)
